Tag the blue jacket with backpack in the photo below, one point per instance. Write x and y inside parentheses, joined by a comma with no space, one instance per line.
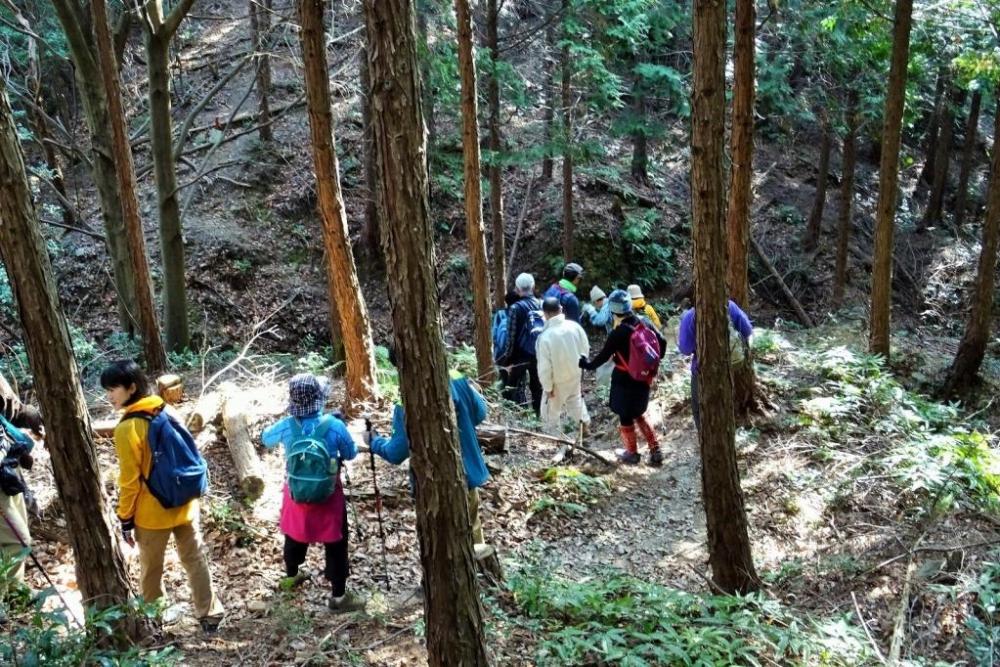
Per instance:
(333,433)
(470,410)
(564,290)
(522,319)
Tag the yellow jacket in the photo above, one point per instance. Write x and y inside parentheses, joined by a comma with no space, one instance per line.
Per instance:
(642,308)
(135,458)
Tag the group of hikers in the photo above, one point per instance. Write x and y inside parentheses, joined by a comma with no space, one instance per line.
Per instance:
(542,340)
(162,474)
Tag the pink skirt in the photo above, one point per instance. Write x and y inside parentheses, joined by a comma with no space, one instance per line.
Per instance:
(312,523)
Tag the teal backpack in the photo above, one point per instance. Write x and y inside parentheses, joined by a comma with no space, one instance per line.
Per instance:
(310,471)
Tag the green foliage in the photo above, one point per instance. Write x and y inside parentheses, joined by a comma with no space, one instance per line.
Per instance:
(227,517)
(924,449)
(983,639)
(385,373)
(649,251)
(35,636)
(615,619)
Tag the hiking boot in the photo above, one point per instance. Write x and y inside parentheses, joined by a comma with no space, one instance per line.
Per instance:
(210,624)
(291,583)
(627,457)
(346,603)
(656,458)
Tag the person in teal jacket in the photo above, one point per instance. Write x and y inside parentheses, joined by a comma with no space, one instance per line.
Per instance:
(470,411)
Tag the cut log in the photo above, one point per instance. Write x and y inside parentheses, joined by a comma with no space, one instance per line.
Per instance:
(104,428)
(170,388)
(245,460)
(804,318)
(208,410)
(492,438)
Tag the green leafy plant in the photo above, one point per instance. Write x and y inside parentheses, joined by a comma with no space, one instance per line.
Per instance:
(983,640)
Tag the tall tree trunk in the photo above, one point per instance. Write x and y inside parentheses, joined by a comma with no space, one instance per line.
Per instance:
(814,225)
(159,31)
(549,115)
(95,110)
(100,568)
(453,614)
(968,148)
(935,203)
(345,289)
(260,29)
(926,176)
(640,148)
(567,138)
(371,231)
(741,149)
(427,98)
(473,195)
(846,199)
(728,541)
(740,192)
(972,349)
(888,181)
(156,358)
(496,146)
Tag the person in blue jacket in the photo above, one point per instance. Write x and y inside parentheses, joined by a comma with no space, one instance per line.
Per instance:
(565,291)
(470,411)
(15,453)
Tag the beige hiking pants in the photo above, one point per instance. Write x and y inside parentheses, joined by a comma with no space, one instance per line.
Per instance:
(152,548)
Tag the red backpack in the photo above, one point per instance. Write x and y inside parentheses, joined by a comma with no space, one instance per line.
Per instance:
(644,354)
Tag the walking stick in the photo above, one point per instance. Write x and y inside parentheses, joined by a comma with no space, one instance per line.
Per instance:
(350,501)
(378,504)
(34,559)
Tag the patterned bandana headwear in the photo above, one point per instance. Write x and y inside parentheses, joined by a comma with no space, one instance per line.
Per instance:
(307,394)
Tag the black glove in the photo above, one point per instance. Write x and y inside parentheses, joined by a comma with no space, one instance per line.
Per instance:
(583,363)
(128,525)
(26,461)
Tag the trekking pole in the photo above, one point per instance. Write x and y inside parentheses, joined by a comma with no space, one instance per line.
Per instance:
(350,501)
(34,559)
(378,504)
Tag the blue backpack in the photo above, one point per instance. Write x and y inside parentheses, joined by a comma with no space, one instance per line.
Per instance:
(308,466)
(179,473)
(499,333)
(533,325)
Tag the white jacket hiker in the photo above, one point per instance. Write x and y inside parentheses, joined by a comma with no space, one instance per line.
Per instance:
(560,346)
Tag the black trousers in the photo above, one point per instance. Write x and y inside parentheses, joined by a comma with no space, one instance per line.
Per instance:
(337,564)
(524,365)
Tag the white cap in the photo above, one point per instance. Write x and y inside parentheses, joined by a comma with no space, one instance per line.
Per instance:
(524,282)
(596,293)
(635,292)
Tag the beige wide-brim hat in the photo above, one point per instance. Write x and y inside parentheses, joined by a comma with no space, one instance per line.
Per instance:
(635,292)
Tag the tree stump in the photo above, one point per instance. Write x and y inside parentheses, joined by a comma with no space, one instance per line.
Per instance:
(492,438)
(170,388)
(236,425)
(208,410)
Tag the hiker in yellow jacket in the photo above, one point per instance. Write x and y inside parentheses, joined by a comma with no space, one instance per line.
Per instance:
(640,307)
(140,512)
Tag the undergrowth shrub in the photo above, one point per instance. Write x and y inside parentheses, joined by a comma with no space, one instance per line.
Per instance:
(920,444)
(36,636)
(983,639)
(615,619)
(569,491)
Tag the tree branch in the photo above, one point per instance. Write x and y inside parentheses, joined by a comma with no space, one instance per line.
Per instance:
(182,135)
(80,230)
(173,20)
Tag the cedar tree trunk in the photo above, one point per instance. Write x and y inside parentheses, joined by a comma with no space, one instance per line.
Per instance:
(454,618)
(346,299)
(968,148)
(371,231)
(496,173)
(846,200)
(549,115)
(474,232)
(728,542)
(567,152)
(926,176)
(972,349)
(156,358)
(813,226)
(888,181)
(260,28)
(100,568)
(935,203)
(640,146)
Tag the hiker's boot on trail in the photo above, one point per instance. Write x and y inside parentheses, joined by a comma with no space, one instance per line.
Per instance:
(630,454)
(293,582)
(347,602)
(655,458)
(648,433)
(210,624)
